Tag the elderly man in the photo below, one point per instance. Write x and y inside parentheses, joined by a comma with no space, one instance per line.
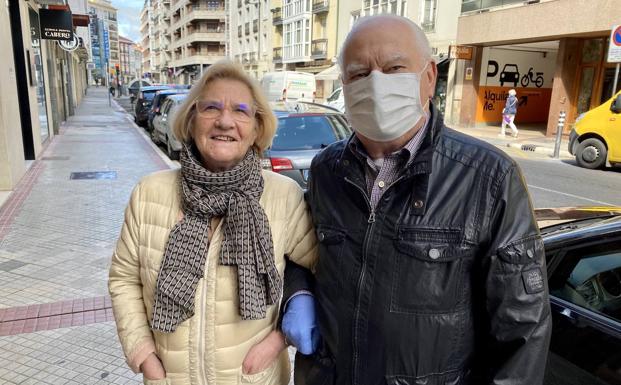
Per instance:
(431,267)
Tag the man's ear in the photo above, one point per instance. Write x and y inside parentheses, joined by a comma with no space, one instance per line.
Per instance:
(432,75)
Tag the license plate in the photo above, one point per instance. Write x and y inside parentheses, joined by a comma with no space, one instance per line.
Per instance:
(305,174)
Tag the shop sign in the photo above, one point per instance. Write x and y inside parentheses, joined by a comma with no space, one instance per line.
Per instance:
(55,24)
(463,52)
(70,45)
(614,49)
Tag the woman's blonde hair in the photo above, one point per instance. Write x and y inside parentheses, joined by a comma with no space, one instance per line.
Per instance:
(265,120)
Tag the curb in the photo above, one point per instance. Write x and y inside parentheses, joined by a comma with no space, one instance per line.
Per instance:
(144,136)
(539,149)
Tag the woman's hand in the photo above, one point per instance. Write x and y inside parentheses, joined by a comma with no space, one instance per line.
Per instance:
(263,354)
(152,368)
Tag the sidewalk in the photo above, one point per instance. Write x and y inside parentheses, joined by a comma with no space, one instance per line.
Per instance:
(57,232)
(530,139)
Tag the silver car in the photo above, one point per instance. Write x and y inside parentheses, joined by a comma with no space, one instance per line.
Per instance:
(162,125)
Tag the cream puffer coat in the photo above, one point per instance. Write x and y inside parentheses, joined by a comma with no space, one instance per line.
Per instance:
(209,348)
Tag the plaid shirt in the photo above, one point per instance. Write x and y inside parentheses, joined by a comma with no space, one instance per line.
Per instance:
(381,173)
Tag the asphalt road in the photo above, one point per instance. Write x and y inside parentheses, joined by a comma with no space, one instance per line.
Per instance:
(558,183)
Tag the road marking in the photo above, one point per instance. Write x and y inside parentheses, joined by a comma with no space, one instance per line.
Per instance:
(572,195)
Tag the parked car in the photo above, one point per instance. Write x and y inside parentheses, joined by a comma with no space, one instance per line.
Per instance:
(156,104)
(336,100)
(596,137)
(134,87)
(143,103)
(583,255)
(303,130)
(162,125)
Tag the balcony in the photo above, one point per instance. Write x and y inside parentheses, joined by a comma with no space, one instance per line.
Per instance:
(252,57)
(428,26)
(277,16)
(319,49)
(321,6)
(255,26)
(245,58)
(247,28)
(199,37)
(468,6)
(239,31)
(277,57)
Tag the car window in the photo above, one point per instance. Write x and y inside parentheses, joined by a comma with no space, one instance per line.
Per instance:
(304,133)
(342,129)
(165,106)
(586,344)
(149,95)
(334,96)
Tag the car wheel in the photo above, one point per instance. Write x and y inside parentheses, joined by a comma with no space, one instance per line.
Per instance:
(591,153)
(172,154)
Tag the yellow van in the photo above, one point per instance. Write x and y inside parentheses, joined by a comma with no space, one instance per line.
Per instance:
(596,138)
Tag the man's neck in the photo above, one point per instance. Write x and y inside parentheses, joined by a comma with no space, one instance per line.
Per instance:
(377,150)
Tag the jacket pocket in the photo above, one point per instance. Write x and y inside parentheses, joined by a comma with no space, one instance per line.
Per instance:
(429,266)
(331,242)
(163,381)
(263,377)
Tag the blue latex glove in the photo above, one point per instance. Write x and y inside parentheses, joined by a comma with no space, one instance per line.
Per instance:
(299,323)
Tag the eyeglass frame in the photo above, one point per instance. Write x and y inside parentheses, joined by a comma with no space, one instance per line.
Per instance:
(220,108)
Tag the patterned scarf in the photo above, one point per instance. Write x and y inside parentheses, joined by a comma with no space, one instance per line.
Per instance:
(247,244)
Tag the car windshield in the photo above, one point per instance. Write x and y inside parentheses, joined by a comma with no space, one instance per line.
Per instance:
(149,95)
(305,133)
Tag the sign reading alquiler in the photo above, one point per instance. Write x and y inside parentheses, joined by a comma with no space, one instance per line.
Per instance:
(55,24)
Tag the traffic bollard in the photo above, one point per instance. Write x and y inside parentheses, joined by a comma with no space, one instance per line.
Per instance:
(559,134)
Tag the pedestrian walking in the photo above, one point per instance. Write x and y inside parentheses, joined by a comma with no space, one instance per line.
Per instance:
(431,267)
(508,114)
(196,278)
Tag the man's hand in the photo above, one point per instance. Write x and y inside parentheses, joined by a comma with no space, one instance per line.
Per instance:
(263,354)
(299,323)
(152,368)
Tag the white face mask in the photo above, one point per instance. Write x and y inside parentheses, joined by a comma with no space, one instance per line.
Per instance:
(383,107)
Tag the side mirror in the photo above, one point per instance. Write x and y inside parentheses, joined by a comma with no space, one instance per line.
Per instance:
(616,105)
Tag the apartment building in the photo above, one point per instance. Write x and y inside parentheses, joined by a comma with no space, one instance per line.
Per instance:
(553,53)
(180,38)
(251,36)
(104,32)
(126,47)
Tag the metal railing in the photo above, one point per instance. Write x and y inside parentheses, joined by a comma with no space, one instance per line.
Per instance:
(277,16)
(468,6)
(320,6)
(319,48)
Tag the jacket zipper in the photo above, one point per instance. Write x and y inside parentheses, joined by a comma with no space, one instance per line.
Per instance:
(371,222)
(201,337)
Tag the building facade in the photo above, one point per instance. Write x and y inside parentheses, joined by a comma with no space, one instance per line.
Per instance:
(126,47)
(104,31)
(41,85)
(554,63)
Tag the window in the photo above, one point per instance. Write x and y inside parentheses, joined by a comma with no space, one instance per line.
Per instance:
(585,349)
(429,16)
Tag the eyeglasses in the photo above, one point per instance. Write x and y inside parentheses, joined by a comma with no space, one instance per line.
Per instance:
(208,109)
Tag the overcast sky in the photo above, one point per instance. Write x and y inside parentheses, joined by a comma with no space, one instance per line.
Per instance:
(129,18)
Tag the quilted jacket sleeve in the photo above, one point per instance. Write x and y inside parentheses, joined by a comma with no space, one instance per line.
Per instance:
(125,288)
(301,239)
(516,289)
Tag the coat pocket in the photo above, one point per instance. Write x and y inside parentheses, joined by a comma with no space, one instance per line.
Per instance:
(331,242)
(263,377)
(163,381)
(428,271)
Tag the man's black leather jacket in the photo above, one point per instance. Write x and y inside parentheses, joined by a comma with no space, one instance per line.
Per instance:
(443,283)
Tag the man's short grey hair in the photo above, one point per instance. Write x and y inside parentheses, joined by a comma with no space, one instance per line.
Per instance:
(417,33)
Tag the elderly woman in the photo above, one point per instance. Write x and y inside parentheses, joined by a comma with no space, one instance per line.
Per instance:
(196,278)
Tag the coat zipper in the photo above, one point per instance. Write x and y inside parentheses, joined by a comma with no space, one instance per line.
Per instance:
(201,332)
(371,222)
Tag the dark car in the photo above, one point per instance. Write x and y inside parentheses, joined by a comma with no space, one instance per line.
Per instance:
(143,103)
(583,254)
(156,104)
(134,88)
(303,130)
